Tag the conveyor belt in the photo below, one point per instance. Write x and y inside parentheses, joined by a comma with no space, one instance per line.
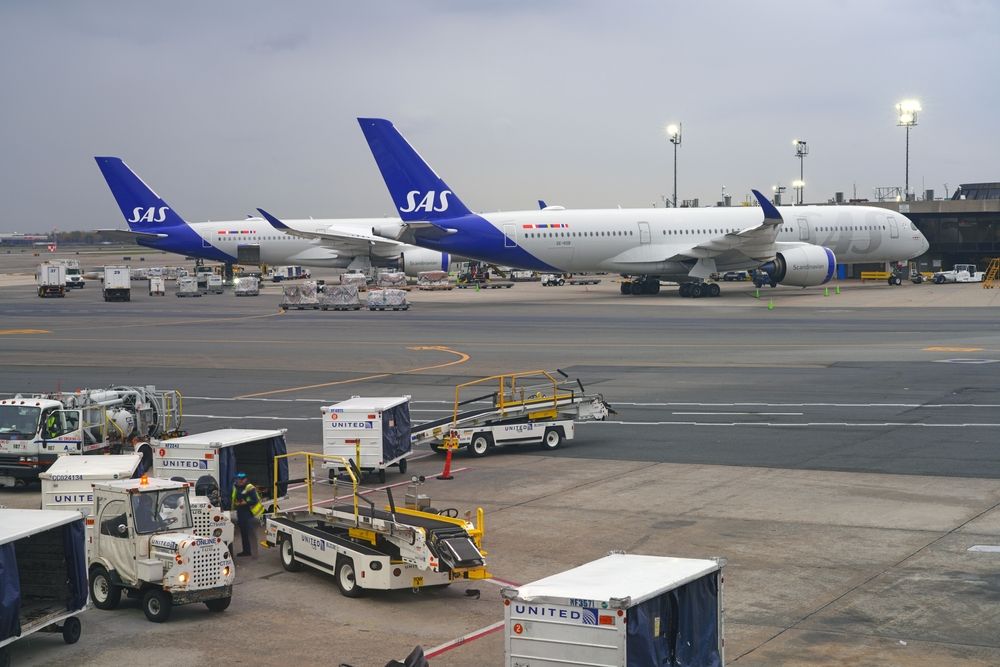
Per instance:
(326,534)
(405,519)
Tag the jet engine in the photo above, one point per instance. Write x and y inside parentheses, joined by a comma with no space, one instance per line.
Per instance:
(414,261)
(802,266)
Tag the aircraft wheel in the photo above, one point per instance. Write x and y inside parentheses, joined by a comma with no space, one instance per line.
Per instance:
(695,290)
(624,288)
(714,290)
(685,290)
(635,288)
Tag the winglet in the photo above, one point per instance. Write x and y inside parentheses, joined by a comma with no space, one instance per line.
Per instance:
(770,212)
(541,204)
(277,224)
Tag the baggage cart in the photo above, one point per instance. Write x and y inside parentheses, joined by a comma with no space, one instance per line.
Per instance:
(374,432)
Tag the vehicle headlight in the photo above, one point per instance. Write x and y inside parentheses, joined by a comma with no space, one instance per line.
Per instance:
(183,577)
(226,570)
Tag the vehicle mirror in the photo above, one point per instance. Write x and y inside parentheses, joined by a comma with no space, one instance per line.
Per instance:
(123,530)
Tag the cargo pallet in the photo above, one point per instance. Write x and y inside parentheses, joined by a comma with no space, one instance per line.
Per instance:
(406,307)
(354,307)
(300,306)
(482,285)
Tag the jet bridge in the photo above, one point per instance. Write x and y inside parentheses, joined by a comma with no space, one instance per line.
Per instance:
(528,396)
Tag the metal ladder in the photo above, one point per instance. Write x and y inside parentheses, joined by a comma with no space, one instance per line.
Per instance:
(992,276)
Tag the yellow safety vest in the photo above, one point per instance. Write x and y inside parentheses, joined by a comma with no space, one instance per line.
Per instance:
(257,509)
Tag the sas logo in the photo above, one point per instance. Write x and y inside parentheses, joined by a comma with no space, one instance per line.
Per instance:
(151,214)
(428,203)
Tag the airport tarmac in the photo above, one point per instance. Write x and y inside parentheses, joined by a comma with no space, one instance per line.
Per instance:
(839,451)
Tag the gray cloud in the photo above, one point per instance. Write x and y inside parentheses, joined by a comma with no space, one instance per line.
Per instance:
(225,106)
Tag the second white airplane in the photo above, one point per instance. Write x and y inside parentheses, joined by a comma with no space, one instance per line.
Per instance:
(798,246)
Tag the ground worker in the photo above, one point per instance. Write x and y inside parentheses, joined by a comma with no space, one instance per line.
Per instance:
(51,427)
(246,500)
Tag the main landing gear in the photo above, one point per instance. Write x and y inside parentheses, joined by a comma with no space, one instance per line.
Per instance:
(640,285)
(697,290)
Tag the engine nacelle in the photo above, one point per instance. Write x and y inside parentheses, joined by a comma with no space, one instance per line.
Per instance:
(802,266)
(414,261)
(390,230)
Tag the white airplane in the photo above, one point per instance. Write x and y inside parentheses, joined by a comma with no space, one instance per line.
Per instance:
(798,245)
(345,243)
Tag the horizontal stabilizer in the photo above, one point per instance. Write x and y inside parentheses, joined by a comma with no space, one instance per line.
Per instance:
(133,234)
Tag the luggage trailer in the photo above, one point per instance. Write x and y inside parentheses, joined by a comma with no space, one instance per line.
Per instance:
(365,548)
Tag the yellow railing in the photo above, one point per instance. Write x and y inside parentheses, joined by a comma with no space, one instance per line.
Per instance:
(310,457)
(992,274)
(874,275)
(510,395)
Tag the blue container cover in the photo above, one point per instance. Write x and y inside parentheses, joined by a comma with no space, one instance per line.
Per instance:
(10,593)
(396,431)
(687,631)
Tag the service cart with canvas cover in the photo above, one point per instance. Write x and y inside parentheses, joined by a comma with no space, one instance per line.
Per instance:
(376,428)
(69,485)
(43,575)
(622,610)
(221,454)
(364,548)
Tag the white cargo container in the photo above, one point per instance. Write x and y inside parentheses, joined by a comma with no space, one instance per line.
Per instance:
(68,484)
(214,284)
(247,286)
(157,286)
(622,610)
(220,455)
(187,286)
(379,427)
(117,283)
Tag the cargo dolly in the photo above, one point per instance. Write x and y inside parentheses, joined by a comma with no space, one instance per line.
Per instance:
(366,548)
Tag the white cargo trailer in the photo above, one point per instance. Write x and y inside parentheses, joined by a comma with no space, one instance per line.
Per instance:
(378,428)
(51,280)
(68,484)
(157,286)
(117,283)
(622,610)
(219,455)
(43,575)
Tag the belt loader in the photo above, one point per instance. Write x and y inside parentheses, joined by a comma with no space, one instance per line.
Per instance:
(365,548)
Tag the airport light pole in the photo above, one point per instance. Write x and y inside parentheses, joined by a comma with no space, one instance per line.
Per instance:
(801,151)
(798,185)
(778,189)
(906,112)
(674,134)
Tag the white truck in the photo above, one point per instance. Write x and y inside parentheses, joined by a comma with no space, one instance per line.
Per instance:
(480,440)
(43,576)
(961,273)
(377,428)
(69,485)
(218,455)
(364,548)
(37,428)
(141,542)
(51,280)
(619,610)
(117,283)
(74,277)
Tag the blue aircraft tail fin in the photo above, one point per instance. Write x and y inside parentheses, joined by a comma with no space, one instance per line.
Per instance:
(417,192)
(143,209)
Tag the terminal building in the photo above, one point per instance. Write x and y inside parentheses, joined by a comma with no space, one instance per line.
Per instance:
(962,230)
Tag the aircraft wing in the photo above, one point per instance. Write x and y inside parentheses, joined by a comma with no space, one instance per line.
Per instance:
(344,239)
(129,232)
(752,245)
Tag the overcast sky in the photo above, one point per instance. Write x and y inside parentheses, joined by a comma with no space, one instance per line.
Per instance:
(223,106)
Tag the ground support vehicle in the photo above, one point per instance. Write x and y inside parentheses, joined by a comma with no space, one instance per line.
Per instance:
(74,276)
(247,286)
(214,284)
(534,404)
(117,283)
(37,428)
(961,273)
(216,456)
(69,485)
(51,280)
(738,276)
(280,273)
(364,548)
(374,432)
(619,610)
(553,280)
(157,286)
(141,542)
(43,575)
(188,286)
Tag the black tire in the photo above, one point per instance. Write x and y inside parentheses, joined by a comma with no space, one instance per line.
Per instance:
(714,290)
(288,556)
(402,466)
(4,657)
(623,287)
(552,439)
(654,286)
(157,604)
(219,604)
(71,630)
(381,476)
(897,280)
(438,449)
(103,593)
(480,444)
(939,280)
(346,580)
(695,290)
(685,290)
(635,288)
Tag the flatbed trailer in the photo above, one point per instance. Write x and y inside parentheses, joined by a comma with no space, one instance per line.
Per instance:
(584,281)
(366,548)
(485,284)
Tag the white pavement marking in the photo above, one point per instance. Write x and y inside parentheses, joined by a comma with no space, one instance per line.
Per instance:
(794,424)
(773,414)
(986,548)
